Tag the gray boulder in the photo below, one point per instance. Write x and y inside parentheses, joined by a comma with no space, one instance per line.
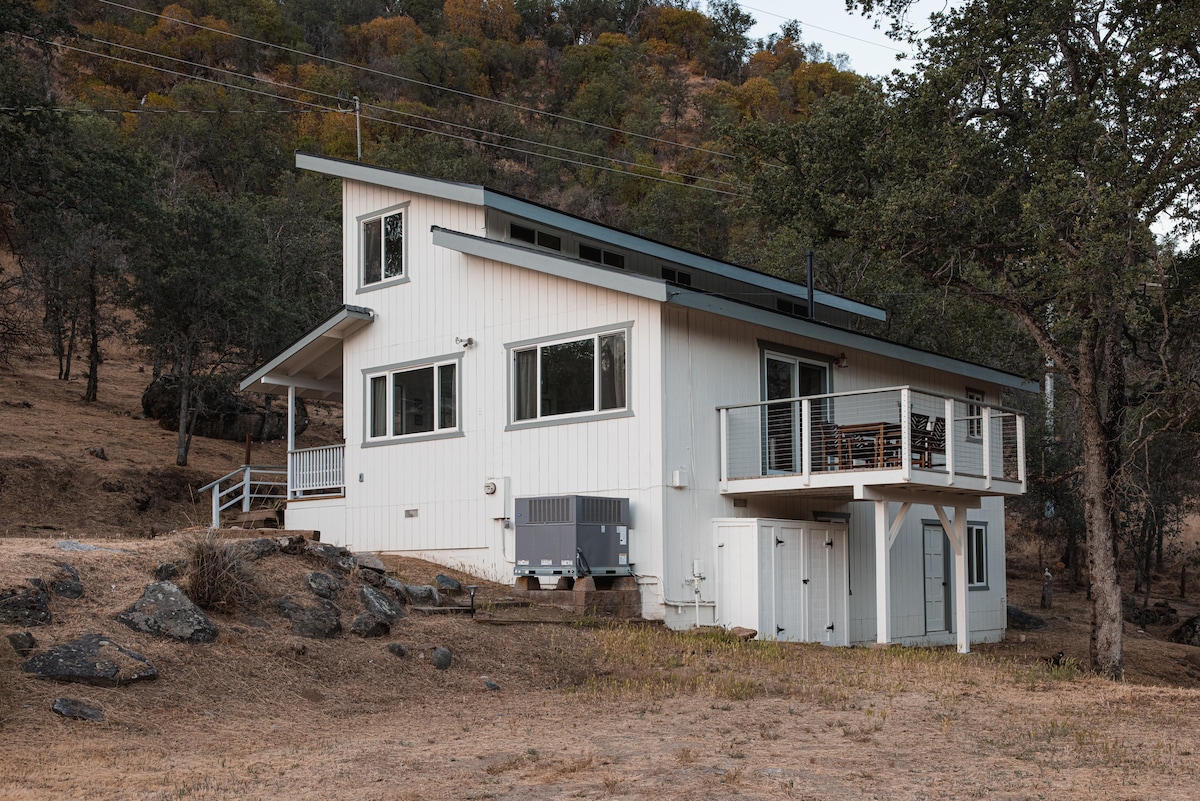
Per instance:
(369,561)
(164,611)
(378,580)
(315,618)
(1187,633)
(323,585)
(169,570)
(370,625)
(257,548)
(69,586)
(380,605)
(441,658)
(396,649)
(25,607)
(22,642)
(336,556)
(79,710)
(291,544)
(91,659)
(448,583)
(416,594)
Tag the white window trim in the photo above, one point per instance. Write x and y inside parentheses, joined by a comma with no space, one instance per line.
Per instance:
(572,417)
(407,367)
(402,209)
(980,556)
(976,399)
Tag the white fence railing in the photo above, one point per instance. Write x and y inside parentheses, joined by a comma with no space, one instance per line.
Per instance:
(317,472)
(895,428)
(247,487)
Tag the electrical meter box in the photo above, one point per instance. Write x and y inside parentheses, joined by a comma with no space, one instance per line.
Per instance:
(572,535)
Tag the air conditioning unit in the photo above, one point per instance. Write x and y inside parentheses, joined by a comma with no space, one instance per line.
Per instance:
(572,535)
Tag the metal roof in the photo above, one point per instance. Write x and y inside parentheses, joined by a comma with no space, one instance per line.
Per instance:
(490,198)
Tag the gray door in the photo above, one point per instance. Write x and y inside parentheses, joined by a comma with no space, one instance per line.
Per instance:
(936,586)
(789,561)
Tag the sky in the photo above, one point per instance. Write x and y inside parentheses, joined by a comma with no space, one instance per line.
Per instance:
(827,22)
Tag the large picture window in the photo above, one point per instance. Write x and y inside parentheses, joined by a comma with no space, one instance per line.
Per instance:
(420,400)
(383,248)
(568,377)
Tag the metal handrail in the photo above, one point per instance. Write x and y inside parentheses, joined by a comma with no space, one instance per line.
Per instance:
(246,490)
(875,390)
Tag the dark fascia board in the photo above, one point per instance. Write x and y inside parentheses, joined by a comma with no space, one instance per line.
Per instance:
(481,196)
(545,262)
(344,320)
(848,339)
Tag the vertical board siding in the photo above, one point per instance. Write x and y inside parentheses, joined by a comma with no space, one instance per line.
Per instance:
(448,296)
(682,364)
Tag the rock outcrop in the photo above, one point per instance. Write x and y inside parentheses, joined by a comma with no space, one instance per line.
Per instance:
(91,659)
(165,611)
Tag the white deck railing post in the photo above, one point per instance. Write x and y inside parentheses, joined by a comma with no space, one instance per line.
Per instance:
(806,438)
(950,439)
(985,429)
(723,423)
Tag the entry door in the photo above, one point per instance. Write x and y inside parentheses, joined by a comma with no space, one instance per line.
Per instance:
(784,377)
(936,586)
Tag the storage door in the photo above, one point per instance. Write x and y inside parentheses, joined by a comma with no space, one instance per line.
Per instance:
(789,582)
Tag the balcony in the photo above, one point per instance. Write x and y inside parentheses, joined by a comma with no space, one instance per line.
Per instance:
(838,444)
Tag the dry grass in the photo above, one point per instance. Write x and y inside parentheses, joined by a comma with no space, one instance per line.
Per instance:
(216,575)
(594,710)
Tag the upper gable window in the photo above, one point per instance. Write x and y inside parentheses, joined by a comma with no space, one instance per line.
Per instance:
(975,413)
(382,246)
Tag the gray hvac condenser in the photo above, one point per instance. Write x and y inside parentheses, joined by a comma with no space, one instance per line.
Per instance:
(572,535)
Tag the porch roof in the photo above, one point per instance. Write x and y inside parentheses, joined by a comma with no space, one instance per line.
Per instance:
(313,364)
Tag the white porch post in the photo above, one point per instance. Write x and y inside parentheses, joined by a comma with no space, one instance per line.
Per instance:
(957,534)
(291,418)
(883,589)
(291,424)
(960,580)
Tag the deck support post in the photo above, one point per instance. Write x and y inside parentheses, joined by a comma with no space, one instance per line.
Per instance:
(291,439)
(883,590)
(956,532)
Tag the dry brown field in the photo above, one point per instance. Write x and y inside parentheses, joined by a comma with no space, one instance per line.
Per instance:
(587,708)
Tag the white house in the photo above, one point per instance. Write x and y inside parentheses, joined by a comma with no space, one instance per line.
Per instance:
(782,472)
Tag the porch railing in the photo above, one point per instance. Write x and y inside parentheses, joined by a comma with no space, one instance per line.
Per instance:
(897,429)
(317,472)
(246,488)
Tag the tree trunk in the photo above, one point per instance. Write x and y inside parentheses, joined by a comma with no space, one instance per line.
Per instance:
(91,394)
(185,396)
(1098,511)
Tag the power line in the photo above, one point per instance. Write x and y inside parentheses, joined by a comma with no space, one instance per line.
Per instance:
(409,114)
(804,24)
(416,82)
(392,122)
